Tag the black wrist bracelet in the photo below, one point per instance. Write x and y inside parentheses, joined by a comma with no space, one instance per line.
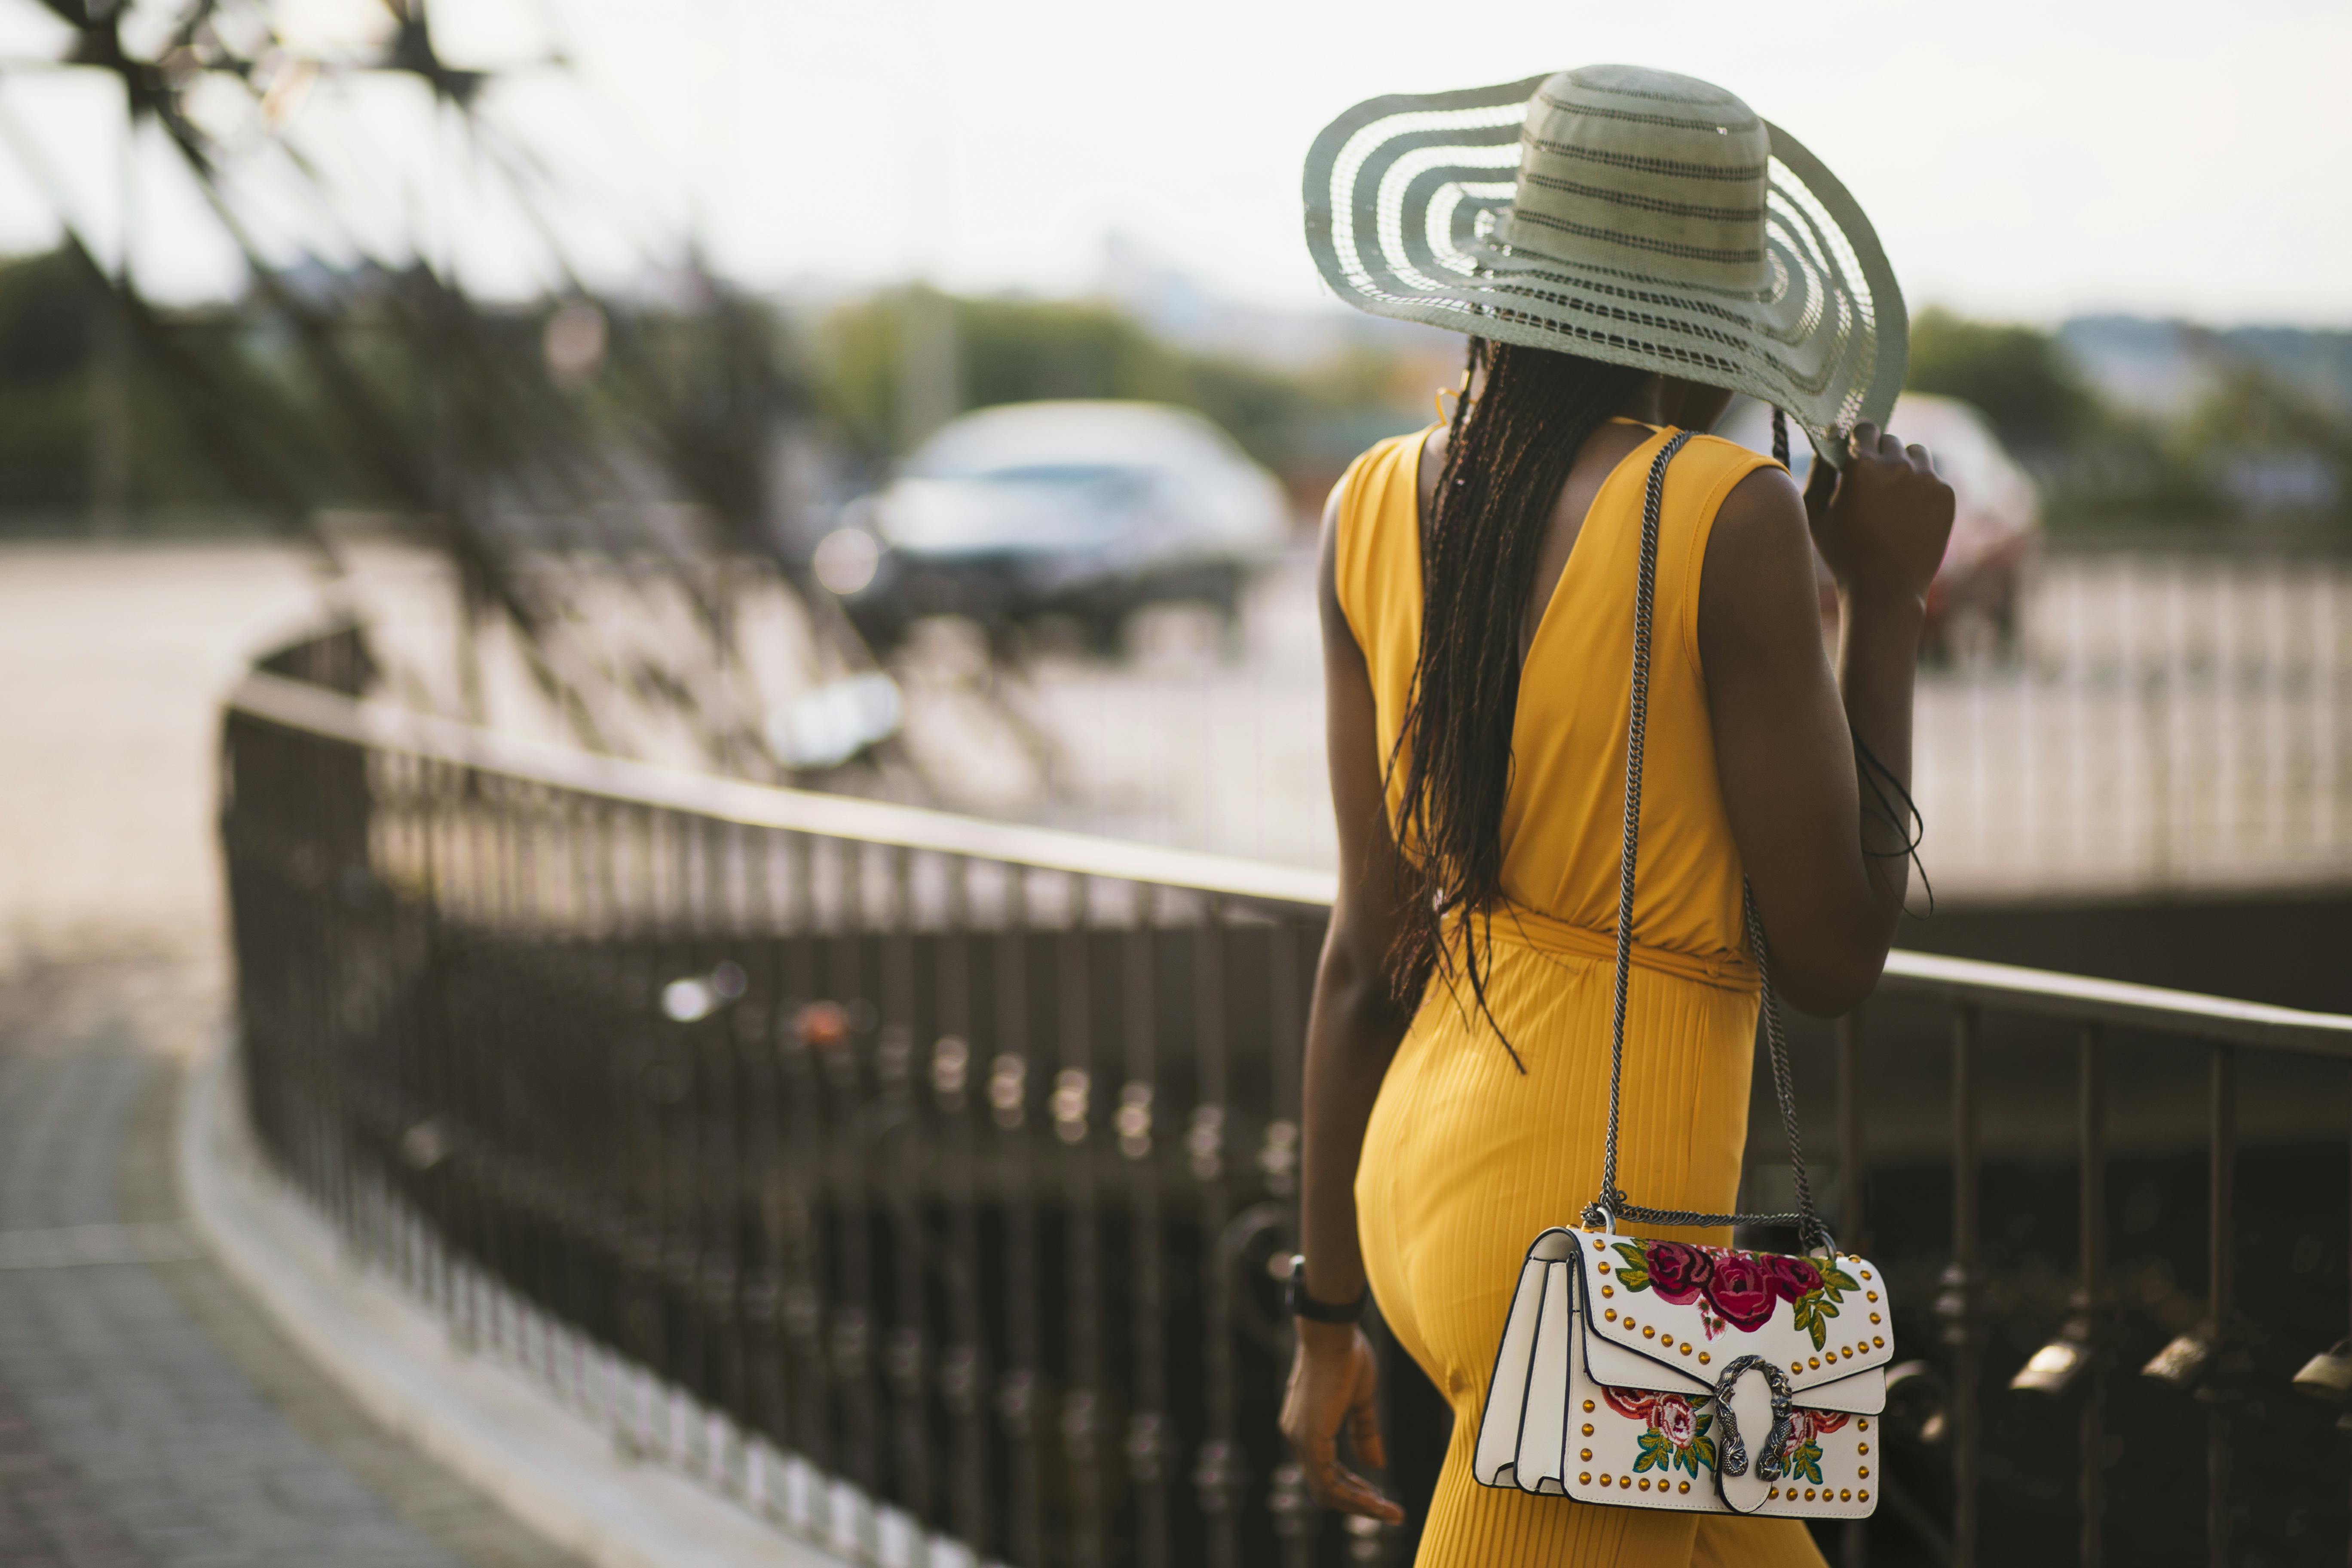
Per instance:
(1303,1305)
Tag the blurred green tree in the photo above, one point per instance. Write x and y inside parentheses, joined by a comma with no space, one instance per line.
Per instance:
(2018,375)
(48,333)
(52,315)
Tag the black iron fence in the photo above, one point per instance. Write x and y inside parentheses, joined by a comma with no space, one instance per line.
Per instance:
(928,1182)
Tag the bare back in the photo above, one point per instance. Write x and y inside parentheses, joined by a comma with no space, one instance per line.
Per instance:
(1603,450)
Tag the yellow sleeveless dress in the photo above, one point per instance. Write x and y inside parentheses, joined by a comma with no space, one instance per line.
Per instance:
(1465,1160)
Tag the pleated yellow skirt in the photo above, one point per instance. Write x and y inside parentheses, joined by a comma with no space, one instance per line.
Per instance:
(1464,1161)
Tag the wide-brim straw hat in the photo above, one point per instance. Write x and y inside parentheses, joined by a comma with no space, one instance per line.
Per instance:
(1625,215)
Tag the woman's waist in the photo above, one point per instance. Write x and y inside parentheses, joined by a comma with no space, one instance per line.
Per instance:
(1517,925)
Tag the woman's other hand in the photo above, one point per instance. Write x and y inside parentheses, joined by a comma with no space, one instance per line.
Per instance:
(1334,1382)
(1882,525)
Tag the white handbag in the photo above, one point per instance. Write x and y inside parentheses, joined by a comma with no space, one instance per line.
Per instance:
(1664,1374)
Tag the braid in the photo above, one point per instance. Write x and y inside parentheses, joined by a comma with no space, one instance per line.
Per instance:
(1507,455)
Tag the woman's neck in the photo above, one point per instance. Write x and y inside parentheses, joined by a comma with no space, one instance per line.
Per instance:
(1670,400)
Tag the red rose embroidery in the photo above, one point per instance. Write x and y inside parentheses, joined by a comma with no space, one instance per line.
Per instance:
(1793,1278)
(1674,1418)
(1634,1403)
(1740,1291)
(1678,1273)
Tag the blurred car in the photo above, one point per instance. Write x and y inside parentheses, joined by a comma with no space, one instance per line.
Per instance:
(1995,527)
(1087,509)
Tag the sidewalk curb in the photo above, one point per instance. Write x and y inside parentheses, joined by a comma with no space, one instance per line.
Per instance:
(483,1419)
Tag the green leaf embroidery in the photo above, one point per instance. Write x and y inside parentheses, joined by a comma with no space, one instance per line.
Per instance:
(1839,1279)
(1806,1462)
(1655,1453)
(1703,1450)
(1633,1273)
(1820,1330)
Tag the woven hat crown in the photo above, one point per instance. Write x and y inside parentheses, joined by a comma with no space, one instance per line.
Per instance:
(1625,215)
(1665,172)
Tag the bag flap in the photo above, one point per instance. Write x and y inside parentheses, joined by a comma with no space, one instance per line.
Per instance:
(1688,1309)
(1859,1394)
(1613,1365)
(1856,1394)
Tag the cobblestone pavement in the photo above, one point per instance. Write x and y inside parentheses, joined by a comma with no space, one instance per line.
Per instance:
(148,1415)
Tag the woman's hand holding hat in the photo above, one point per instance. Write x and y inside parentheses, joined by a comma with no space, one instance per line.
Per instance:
(1883,522)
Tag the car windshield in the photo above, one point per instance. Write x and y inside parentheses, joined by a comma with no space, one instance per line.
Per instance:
(1062,474)
(1071,445)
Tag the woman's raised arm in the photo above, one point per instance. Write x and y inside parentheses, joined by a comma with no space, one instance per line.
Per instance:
(1828,877)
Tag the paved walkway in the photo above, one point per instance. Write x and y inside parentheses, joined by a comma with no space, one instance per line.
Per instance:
(148,1415)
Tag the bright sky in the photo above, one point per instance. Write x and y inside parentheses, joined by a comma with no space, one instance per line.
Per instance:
(2021,158)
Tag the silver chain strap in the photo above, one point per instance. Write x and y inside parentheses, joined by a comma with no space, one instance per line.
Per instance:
(1612,1204)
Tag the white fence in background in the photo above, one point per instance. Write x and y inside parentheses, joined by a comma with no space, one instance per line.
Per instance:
(2166,721)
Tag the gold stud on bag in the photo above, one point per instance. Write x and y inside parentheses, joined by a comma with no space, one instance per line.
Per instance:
(1665,1374)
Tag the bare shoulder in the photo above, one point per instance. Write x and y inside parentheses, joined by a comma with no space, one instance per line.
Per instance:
(1326,550)
(1762,520)
(1757,583)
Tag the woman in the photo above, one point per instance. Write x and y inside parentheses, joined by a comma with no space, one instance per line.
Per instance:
(1660,249)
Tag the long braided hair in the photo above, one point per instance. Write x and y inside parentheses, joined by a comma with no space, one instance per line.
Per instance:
(1508,454)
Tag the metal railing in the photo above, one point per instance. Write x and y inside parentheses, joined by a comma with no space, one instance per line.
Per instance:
(928,1182)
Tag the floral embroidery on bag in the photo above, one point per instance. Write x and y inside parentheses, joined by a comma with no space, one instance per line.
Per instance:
(1801,1455)
(1677,1437)
(1738,1288)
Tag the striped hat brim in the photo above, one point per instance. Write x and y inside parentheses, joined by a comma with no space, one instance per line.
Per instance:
(1408,205)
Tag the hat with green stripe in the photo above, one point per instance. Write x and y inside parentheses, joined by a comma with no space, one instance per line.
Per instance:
(1625,215)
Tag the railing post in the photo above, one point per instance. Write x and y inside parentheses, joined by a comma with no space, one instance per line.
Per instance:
(2091,1300)
(1009,1096)
(1148,1432)
(806,1296)
(2220,1305)
(1296,1521)
(853,1197)
(1956,1305)
(707,1063)
(1217,1471)
(908,1355)
(1073,1111)
(963,1371)
(771,1382)
(467,1098)
(736,1038)
(677,1161)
